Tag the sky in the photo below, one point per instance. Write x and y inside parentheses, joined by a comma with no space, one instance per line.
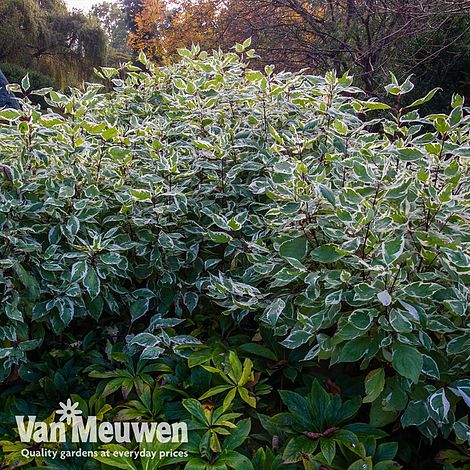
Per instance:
(82,4)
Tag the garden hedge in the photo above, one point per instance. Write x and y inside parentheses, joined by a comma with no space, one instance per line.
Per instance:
(209,243)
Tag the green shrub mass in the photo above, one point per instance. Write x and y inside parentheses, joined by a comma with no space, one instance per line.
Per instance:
(15,73)
(272,257)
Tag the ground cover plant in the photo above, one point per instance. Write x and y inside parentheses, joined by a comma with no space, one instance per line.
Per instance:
(273,258)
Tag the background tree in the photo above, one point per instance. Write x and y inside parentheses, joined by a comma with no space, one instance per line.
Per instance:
(147,32)
(20,25)
(199,22)
(441,59)
(44,35)
(368,37)
(113,20)
(131,9)
(362,35)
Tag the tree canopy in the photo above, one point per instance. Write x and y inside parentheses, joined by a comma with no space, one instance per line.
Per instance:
(113,20)
(365,37)
(44,35)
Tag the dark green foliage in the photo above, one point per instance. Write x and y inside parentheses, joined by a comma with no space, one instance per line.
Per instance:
(15,73)
(441,59)
(268,257)
(38,80)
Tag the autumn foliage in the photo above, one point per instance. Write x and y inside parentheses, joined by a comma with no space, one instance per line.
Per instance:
(147,24)
(162,27)
(366,38)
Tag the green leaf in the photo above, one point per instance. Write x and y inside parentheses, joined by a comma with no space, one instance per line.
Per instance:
(141,194)
(151,353)
(410,154)
(458,345)
(275,135)
(354,349)
(386,451)
(247,43)
(254,75)
(219,237)
(246,397)
(109,133)
(422,289)
(92,283)
(374,105)
(139,308)
(185,53)
(79,271)
(9,114)
(202,144)
(439,406)
(297,337)
(374,383)
(430,367)
(361,319)
(191,300)
(327,254)
(118,461)
(73,226)
(196,464)
(295,248)
(429,96)
(258,350)
(461,388)
(349,440)
(400,322)
(238,436)
(296,404)
(328,449)
(235,364)
(415,414)
(229,398)
(362,464)
(66,310)
(145,339)
(25,83)
(273,311)
(340,127)
(296,447)
(13,313)
(196,409)
(234,460)
(462,430)
(28,281)
(327,193)
(215,391)
(246,372)
(200,357)
(392,250)
(407,361)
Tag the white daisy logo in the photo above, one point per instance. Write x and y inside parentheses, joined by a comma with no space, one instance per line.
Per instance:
(69,411)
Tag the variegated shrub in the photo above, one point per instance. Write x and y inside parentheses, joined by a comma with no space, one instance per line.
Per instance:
(167,203)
